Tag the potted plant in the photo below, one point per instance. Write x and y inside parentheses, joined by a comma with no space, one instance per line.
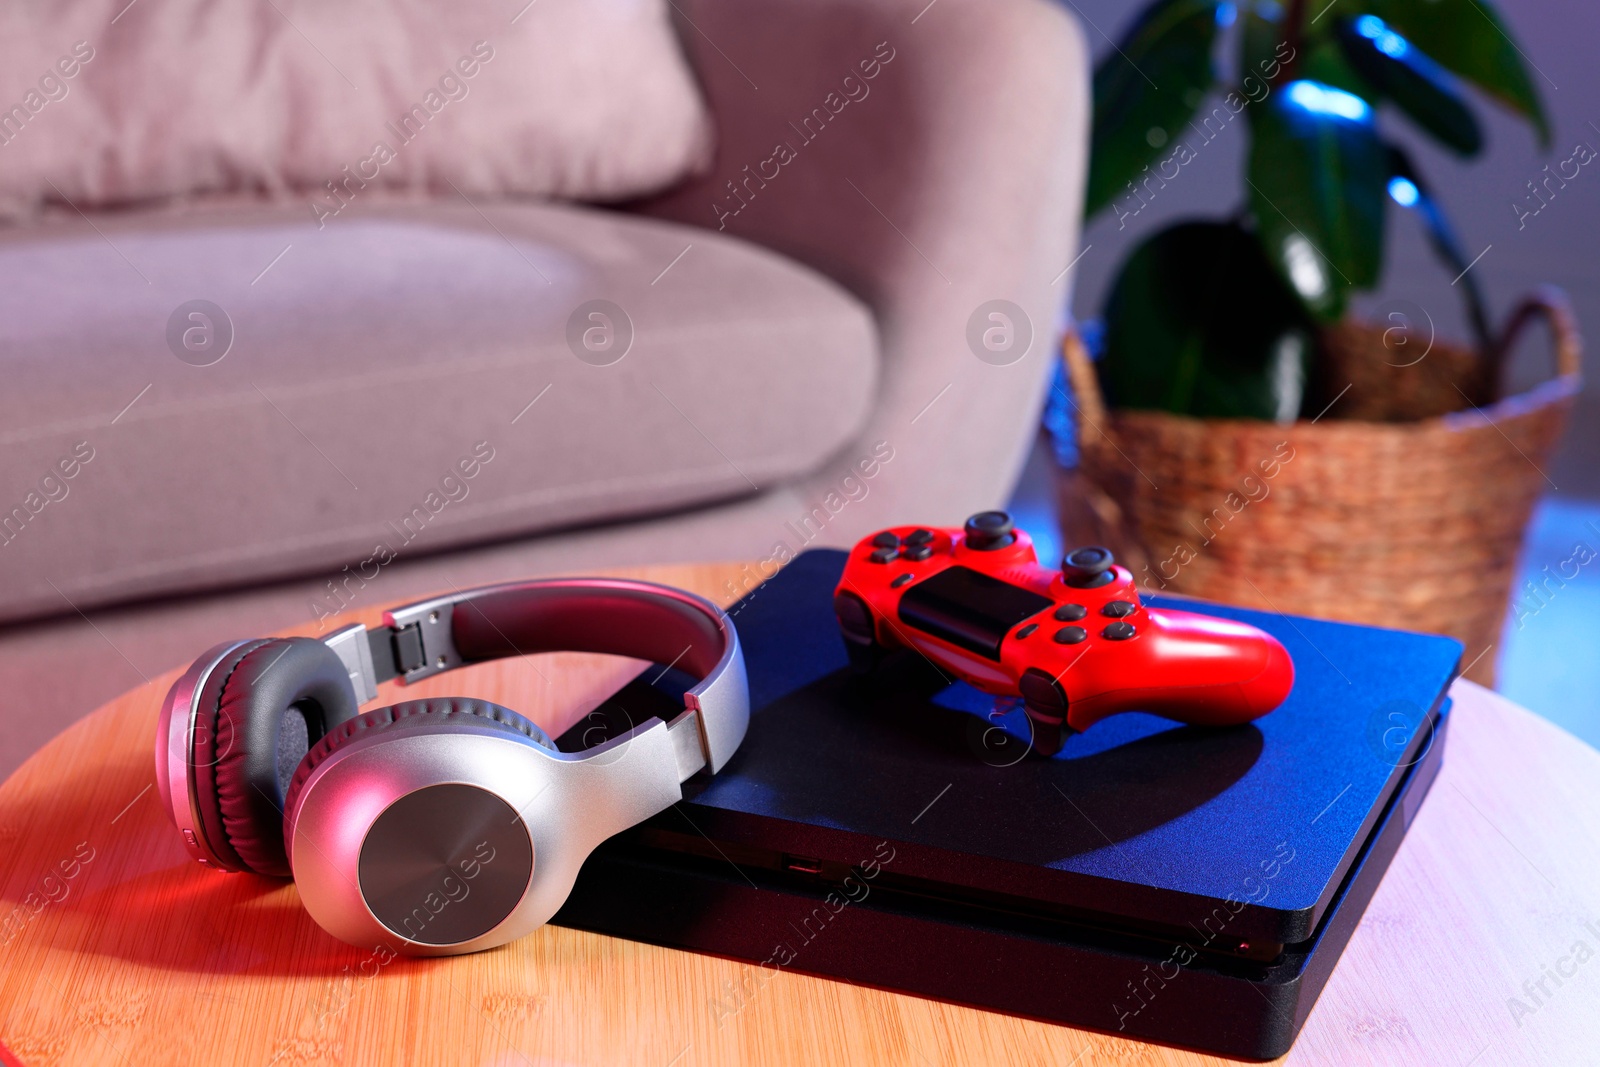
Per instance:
(1242,437)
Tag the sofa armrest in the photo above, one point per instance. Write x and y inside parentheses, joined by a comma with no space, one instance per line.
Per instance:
(930,158)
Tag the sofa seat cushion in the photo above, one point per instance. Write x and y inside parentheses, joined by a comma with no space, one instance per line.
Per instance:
(405,379)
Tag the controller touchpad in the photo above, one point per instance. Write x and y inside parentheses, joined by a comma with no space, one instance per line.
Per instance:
(969,609)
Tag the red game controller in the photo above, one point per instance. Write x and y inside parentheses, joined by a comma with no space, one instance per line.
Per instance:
(1075,644)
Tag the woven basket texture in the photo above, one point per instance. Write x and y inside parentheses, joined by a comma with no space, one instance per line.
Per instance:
(1403,506)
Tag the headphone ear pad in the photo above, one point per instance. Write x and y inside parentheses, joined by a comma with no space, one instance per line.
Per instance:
(271,701)
(398,718)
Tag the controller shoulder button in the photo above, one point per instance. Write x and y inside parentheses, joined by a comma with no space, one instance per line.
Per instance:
(1070,635)
(1118,631)
(1118,609)
(1070,612)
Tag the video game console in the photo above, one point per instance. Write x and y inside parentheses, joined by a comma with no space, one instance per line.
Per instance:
(1076,645)
(1174,883)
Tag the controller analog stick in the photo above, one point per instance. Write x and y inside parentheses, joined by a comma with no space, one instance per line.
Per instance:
(1087,567)
(989,530)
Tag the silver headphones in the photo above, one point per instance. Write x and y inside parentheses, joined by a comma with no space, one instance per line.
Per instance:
(438,826)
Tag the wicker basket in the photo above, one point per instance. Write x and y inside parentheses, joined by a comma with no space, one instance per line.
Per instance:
(1414,524)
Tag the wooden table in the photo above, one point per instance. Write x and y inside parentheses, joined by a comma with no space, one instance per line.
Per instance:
(119,950)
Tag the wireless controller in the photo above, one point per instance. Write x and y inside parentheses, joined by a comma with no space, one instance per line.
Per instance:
(1075,644)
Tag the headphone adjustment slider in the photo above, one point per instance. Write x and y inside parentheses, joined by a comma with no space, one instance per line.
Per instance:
(354,649)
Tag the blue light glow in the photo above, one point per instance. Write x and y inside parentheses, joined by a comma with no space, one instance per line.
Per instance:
(1370,26)
(1403,192)
(1326,100)
(1226,13)
(1387,41)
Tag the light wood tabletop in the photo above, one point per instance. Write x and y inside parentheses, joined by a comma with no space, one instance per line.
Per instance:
(1478,949)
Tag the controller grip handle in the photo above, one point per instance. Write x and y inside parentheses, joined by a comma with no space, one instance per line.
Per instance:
(1199,670)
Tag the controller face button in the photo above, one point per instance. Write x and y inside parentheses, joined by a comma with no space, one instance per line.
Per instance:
(989,530)
(1118,631)
(882,555)
(899,581)
(916,553)
(919,537)
(1026,630)
(886,540)
(1118,609)
(1071,612)
(1071,635)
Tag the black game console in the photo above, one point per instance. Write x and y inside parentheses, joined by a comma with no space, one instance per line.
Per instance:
(1170,883)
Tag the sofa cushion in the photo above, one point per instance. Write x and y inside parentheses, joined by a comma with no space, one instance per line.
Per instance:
(402,381)
(104,101)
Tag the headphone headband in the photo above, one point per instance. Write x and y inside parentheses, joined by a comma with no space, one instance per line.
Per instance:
(617,616)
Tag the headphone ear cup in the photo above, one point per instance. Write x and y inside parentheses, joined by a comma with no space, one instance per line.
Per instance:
(268,702)
(397,718)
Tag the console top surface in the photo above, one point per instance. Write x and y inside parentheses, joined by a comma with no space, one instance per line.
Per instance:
(1138,819)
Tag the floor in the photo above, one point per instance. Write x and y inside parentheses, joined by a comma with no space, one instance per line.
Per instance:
(1550,652)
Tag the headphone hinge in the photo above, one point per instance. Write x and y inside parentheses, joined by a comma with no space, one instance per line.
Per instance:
(423,640)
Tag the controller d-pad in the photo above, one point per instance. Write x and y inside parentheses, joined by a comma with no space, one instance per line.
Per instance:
(1118,631)
(882,555)
(886,540)
(1070,612)
(916,553)
(1118,609)
(1071,635)
(919,537)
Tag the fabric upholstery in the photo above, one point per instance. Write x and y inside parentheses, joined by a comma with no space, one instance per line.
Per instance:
(972,144)
(399,383)
(105,102)
(951,178)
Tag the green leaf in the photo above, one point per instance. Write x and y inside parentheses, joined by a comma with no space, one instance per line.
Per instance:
(1442,237)
(1323,61)
(1262,50)
(1145,89)
(1318,177)
(1469,38)
(1265,52)
(1418,85)
(1198,323)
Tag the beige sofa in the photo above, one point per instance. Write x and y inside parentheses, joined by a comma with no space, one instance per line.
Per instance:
(800,369)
